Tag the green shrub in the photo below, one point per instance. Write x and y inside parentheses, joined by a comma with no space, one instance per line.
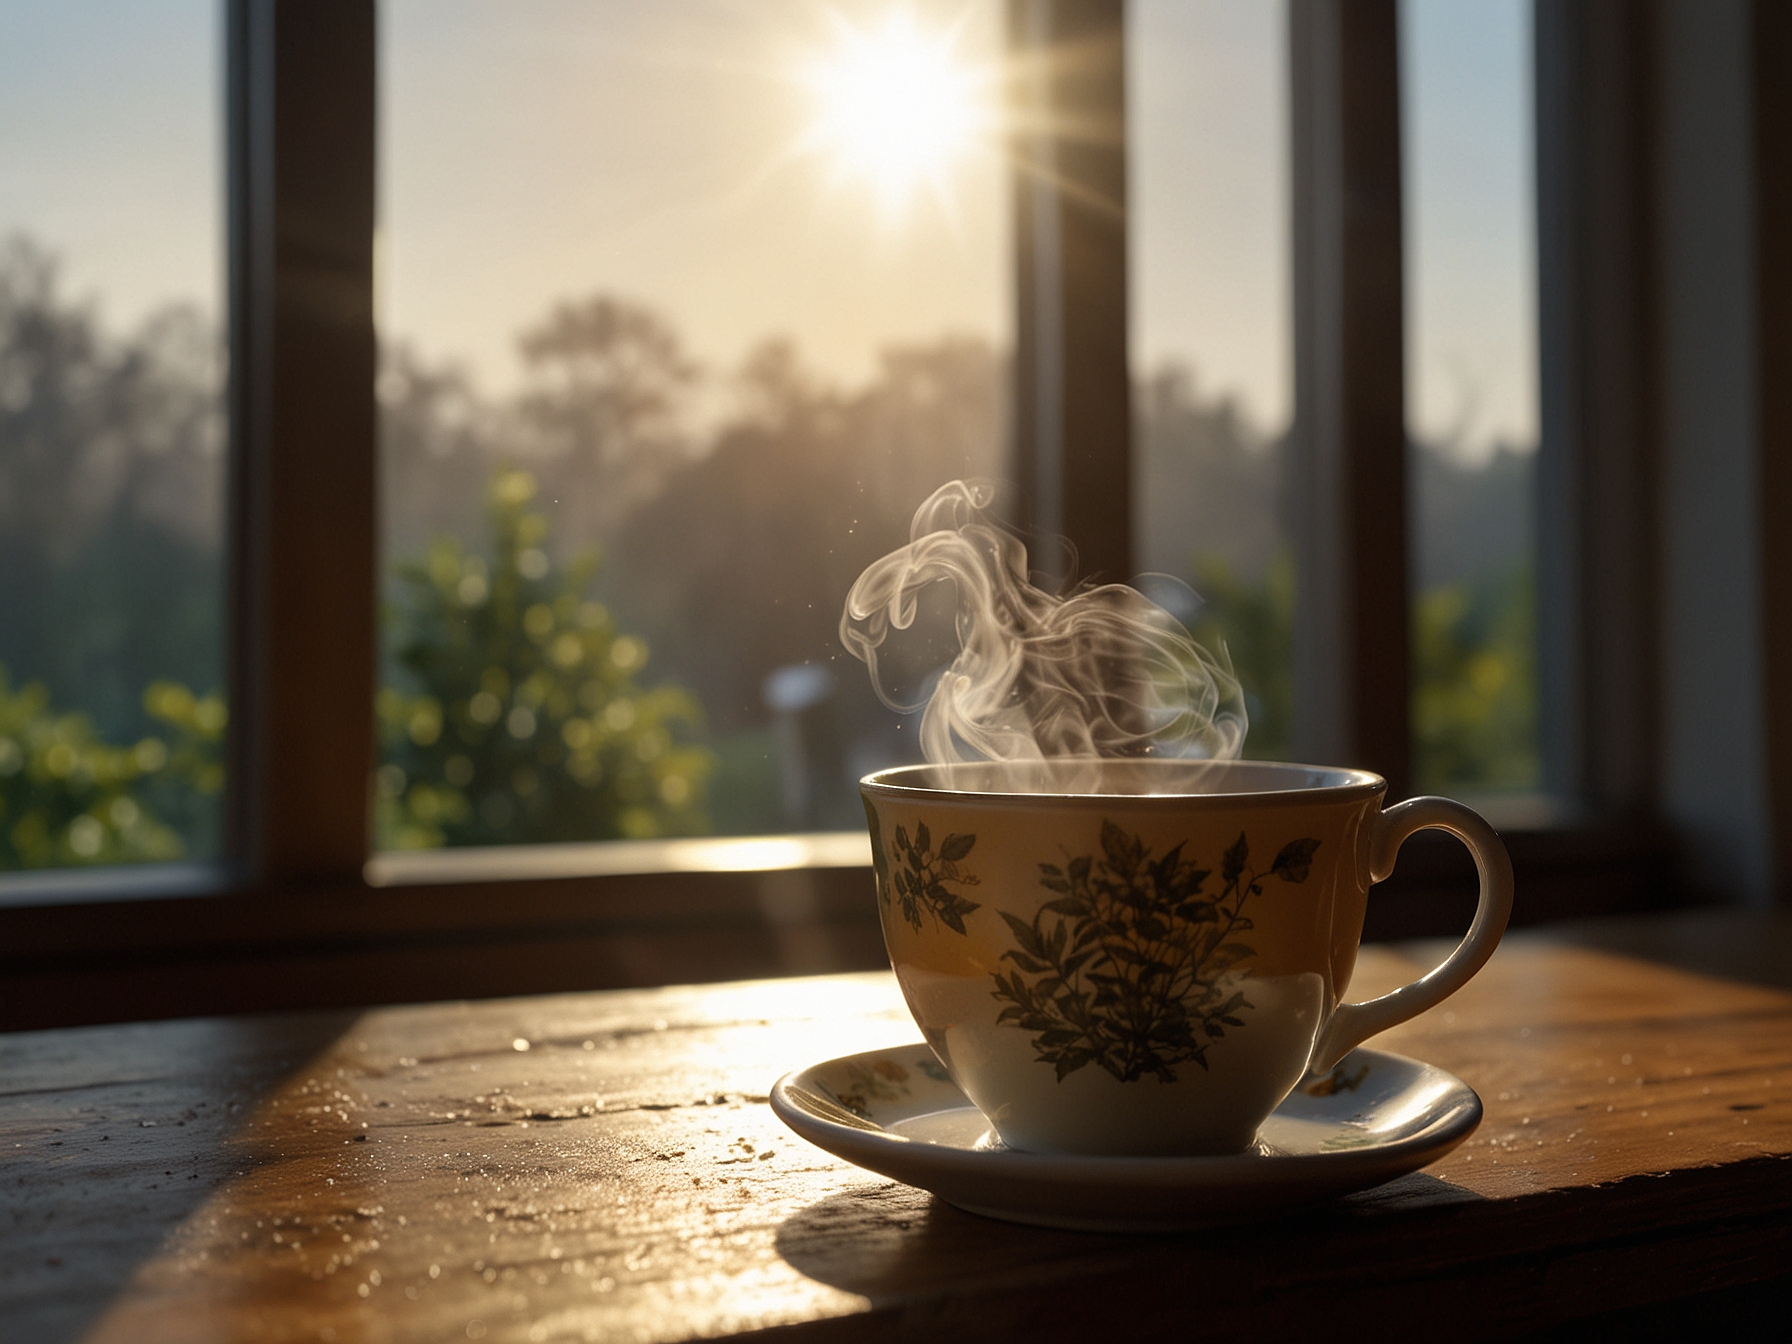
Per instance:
(516,714)
(1474,679)
(69,798)
(1475,685)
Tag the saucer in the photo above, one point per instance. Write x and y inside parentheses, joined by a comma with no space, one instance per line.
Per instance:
(896,1112)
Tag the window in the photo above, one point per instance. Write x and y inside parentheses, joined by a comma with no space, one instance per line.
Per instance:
(1211,349)
(112,433)
(1471,416)
(306,917)
(676,337)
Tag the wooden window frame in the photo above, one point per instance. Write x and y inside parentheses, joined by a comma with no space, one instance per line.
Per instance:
(301,914)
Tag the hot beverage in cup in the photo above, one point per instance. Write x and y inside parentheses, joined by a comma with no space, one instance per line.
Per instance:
(1145,956)
(1118,938)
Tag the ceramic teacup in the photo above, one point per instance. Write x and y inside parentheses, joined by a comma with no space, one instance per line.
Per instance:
(1145,956)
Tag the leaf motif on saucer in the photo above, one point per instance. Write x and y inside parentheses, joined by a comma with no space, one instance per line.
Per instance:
(1340,1079)
(1310,1149)
(885,1080)
(925,875)
(1122,967)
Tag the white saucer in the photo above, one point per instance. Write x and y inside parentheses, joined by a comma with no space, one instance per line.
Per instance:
(895,1112)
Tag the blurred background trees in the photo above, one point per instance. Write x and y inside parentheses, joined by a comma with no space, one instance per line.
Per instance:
(110,498)
(68,796)
(692,680)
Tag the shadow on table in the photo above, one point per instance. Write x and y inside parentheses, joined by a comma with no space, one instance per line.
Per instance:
(887,1241)
(105,1170)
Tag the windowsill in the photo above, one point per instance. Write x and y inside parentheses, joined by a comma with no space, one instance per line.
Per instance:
(1513,815)
(115,944)
(184,939)
(616,858)
(139,881)
(1521,817)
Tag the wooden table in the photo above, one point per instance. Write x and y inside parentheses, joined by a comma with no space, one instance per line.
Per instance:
(604,1166)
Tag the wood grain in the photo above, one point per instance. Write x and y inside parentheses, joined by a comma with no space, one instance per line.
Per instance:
(604,1166)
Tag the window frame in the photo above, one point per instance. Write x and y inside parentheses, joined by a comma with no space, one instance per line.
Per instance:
(302,914)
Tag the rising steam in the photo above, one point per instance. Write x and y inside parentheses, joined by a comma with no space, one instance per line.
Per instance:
(1103,672)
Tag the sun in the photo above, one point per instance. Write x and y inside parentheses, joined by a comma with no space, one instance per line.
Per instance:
(897,108)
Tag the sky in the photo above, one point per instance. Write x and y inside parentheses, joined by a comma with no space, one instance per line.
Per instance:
(541,149)
(110,147)
(1466,130)
(1208,196)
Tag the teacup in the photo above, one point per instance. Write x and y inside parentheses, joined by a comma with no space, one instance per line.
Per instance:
(1144,957)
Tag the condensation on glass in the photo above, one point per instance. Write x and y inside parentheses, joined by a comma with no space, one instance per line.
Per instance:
(1466,128)
(678,327)
(112,432)
(1207,113)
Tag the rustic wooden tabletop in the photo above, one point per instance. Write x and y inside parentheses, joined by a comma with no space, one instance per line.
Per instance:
(604,1166)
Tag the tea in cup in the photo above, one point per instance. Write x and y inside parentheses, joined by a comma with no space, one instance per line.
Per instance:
(1145,956)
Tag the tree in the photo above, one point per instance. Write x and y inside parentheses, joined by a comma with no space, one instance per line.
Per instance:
(517,713)
(1211,483)
(439,443)
(111,484)
(92,427)
(603,410)
(751,548)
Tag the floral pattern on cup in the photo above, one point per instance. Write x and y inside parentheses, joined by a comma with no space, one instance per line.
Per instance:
(1123,967)
(923,878)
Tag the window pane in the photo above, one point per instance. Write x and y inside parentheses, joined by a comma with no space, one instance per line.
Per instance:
(679,326)
(1471,389)
(1208,176)
(111,432)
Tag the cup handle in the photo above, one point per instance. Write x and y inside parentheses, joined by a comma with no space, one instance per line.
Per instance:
(1353,1023)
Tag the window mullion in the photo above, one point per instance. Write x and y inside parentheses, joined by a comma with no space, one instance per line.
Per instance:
(1348,444)
(302,538)
(1072,396)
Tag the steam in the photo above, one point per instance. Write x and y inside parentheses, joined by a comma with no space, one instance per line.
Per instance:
(1102,672)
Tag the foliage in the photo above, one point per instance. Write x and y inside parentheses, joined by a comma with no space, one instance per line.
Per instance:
(1474,698)
(752,545)
(68,797)
(608,378)
(605,409)
(525,720)
(738,531)
(1475,692)
(111,486)
(920,882)
(1122,968)
(1207,472)
(1255,623)
(85,414)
